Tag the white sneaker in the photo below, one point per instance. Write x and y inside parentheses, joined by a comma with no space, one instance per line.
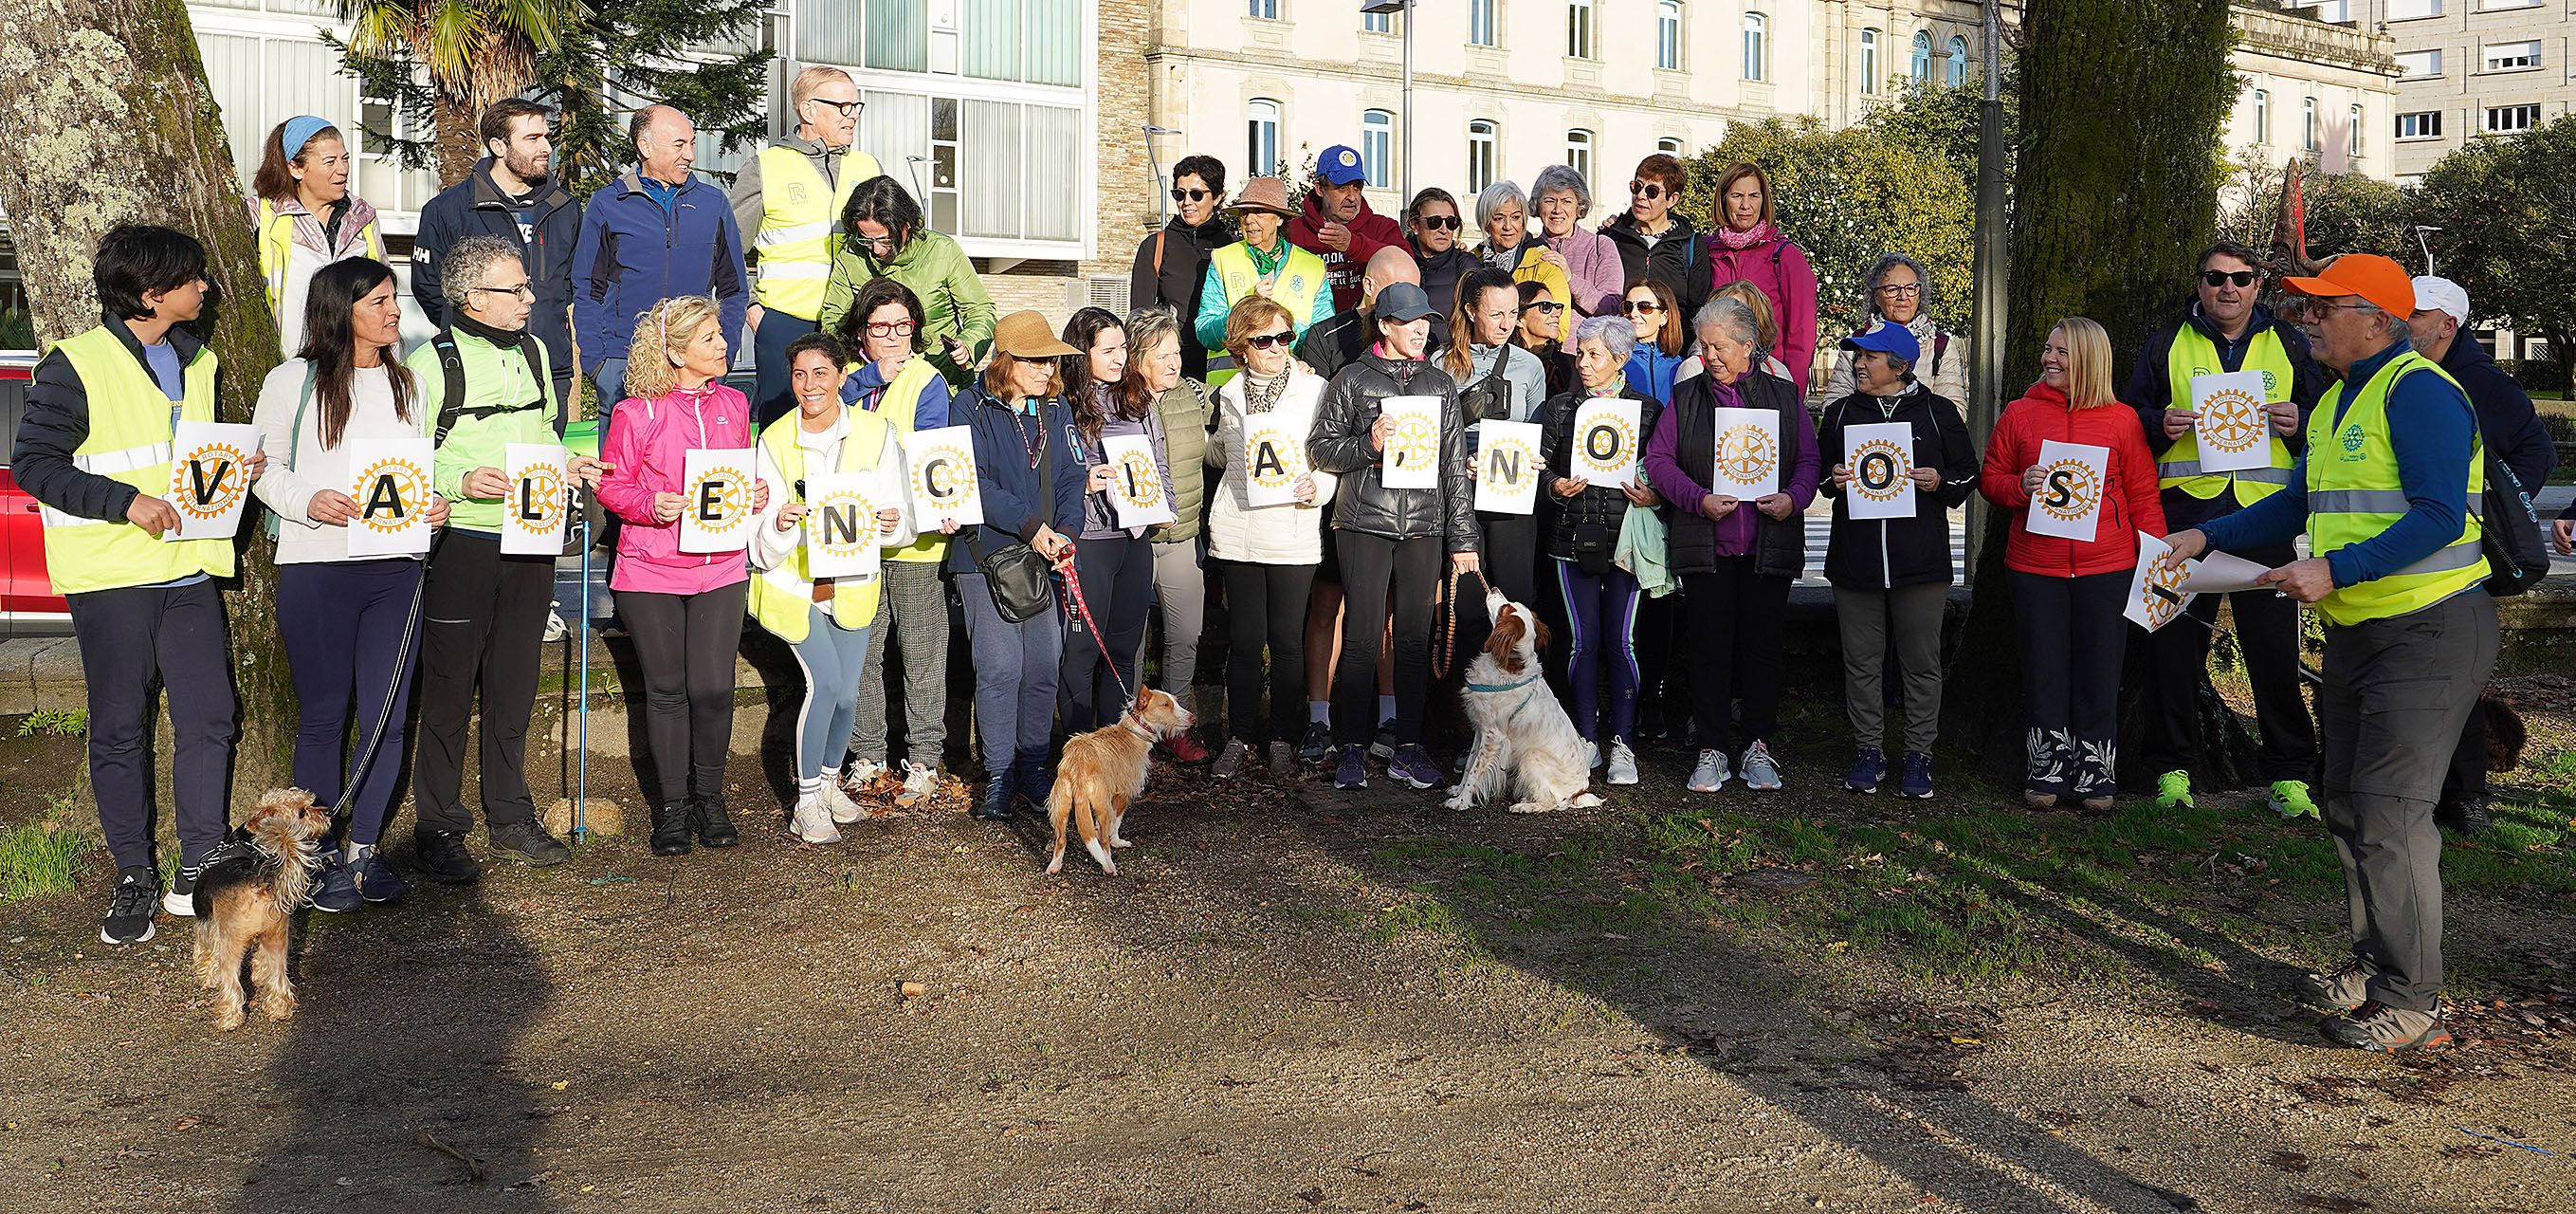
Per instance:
(844,810)
(861,771)
(920,780)
(1711,774)
(1592,756)
(1623,763)
(555,626)
(813,822)
(1760,773)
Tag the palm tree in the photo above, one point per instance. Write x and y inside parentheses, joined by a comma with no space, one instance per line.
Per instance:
(474,52)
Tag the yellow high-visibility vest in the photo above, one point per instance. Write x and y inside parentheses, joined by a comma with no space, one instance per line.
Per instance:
(800,226)
(781,595)
(1300,279)
(276,242)
(2194,354)
(2354,493)
(129,441)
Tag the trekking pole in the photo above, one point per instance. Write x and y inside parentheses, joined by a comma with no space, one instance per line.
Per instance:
(581,710)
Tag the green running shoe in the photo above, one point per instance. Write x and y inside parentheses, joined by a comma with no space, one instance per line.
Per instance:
(2289,798)
(2174,788)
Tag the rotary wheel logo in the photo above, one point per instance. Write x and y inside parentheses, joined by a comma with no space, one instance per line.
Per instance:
(1618,458)
(1418,434)
(1879,471)
(849,499)
(2068,490)
(1744,454)
(1273,473)
(956,467)
(2236,420)
(2169,578)
(546,493)
(207,500)
(1144,489)
(410,493)
(730,491)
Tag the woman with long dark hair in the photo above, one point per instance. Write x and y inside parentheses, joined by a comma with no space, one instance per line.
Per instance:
(349,623)
(1114,564)
(1497,381)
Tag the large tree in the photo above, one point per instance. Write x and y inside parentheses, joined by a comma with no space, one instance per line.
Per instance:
(2506,208)
(452,59)
(113,124)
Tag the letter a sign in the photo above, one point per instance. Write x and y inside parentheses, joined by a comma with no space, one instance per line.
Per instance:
(389,480)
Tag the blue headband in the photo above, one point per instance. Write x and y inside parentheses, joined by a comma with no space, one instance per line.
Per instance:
(299,131)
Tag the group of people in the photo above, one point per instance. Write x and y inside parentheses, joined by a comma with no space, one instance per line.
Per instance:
(1266,344)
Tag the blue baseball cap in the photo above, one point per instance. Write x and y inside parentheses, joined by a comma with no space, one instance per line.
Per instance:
(1340,165)
(1886,339)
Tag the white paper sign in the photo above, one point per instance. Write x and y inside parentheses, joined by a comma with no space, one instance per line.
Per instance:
(2223,573)
(841,535)
(1881,458)
(944,485)
(540,501)
(1748,454)
(1606,443)
(1412,455)
(1135,486)
(1273,459)
(207,485)
(389,479)
(2156,593)
(2068,503)
(1508,467)
(2233,430)
(717,483)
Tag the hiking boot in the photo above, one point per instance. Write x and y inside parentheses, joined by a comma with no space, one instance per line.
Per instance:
(1413,765)
(2343,988)
(129,907)
(2467,815)
(1868,768)
(1760,773)
(671,828)
(1317,743)
(1186,748)
(1623,764)
(714,826)
(2173,788)
(995,803)
(1037,776)
(377,881)
(837,804)
(920,782)
(1237,757)
(1352,772)
(539,849)
(812,821)
(1916,783)
(440,855)
(1283,762)
(2382,1029)
(335,887)
(1711,774)
(181,901)
(2289,798)
(1382,747)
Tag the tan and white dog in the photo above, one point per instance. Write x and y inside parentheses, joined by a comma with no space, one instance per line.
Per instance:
(1524,740)
(1103,772)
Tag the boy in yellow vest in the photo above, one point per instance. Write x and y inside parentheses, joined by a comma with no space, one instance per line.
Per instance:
(787,200)
(94,448)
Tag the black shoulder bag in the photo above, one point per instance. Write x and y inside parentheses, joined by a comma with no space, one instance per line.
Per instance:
(1022,582)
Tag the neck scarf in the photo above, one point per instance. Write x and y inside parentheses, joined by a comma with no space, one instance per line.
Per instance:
(1760,234)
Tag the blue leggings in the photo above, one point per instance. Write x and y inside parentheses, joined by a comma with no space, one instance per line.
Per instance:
(832,657)
(1603,613)
(342,622)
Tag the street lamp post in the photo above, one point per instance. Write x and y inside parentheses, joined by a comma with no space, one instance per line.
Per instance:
(1404,175)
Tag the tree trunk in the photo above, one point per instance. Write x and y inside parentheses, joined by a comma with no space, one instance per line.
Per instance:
(455,122)
(113,124)
(2110,205)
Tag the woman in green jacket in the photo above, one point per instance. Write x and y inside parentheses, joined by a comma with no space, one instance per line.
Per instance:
(886,238)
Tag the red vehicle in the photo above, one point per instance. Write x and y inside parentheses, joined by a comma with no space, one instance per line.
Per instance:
(28,604)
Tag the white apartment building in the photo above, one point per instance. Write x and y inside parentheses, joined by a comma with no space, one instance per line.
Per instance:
(2314,89)
(2469,69)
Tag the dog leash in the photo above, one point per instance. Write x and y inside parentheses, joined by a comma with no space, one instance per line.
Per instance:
(1447,660)
(1099,640)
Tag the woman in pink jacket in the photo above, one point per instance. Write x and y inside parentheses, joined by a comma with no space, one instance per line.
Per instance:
(1749,245)
(683,609)
(1590,260)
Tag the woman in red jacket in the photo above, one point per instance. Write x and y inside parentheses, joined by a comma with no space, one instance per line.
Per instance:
(2069,593)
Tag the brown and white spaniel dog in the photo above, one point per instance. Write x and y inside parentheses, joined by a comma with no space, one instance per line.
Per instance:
(1525,744)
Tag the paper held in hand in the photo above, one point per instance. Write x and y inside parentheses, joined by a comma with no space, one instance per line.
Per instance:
(1412,456)
(2156,590)
(2233,430)
(540,501)
(207,484)
(1881,458)
(2068,502)
(1136,486)
(944,485)
(1748,454)
(717,483)
(1606,443)
(2224,573)
(841,535)
(389,480)
(1508,468)
(1273,459)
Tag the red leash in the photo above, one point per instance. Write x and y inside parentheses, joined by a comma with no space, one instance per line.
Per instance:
(1099,640)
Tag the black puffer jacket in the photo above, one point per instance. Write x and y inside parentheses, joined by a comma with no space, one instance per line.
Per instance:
(1340,444)
(1877,554)
(1440,275)
(1678,258)
(1593,516)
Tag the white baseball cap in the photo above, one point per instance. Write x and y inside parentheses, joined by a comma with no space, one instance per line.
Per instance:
(2442,294)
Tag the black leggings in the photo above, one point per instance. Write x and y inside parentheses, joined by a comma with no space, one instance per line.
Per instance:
(685,644)
(1379,574)
(1118,586)
(1265,606)
(1736,615)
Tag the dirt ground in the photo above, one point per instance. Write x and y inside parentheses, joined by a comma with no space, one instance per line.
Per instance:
(1276,1007)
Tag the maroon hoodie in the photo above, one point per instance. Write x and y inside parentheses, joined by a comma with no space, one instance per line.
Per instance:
(1369,233)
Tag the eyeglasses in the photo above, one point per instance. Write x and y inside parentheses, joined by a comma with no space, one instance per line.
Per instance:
(1636,306)
(2315,309)
(1437,223)
(1269,341)
(1181,195)
(2220,278)
(875,242)
(1648,190)
(523,291)
(1544,307)
(843,108)
(890,328)
(1900,290)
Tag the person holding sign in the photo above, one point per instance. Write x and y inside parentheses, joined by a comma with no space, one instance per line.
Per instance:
(1735,558)
(1185,409)
(824,618)
(1267,550)
(2224,332)
(684,609)
(1891,438)
(349,623)
(1583,532)
(1497,381)
(1390,539)
(1115,563)
(2070,593)
(104,403)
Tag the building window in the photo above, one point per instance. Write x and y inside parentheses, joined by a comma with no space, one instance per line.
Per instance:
(2407,10)
(1264,146)
(1869,63)
(2489,6)
(2511,119)
(1757,50)
(1668,35)
(1039,41)
(1921,66)
(2334,11)
(897,36)
(1377,23)
(2416,65)
(1480,22)
(2263,117)
(1578,153)
(1670,147)
(1958,61)
(1377,147)
(1578,29)
(1267,10)
(2424,124)
(1481,137)
(2352,145)
(2512,56)
(2308,123)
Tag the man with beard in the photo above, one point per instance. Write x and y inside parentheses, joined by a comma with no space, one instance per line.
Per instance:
(509,195)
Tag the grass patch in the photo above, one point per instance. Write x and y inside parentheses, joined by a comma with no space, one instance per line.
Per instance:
(43,856)
(56,722)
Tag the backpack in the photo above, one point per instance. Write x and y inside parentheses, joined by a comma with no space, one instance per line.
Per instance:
(274,522)
(451,366)
(2510,532)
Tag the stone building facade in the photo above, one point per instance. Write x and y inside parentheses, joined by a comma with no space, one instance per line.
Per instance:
(2468,69)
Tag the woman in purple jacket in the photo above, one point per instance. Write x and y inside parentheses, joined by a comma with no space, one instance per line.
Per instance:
(1590,260)
(1748,244)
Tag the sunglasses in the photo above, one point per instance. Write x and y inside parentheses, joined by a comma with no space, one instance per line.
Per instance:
(1648,190)
(1635,306)
(1438,223)
(1544,307)
(2220,278)
(1182,195)
(1268,341)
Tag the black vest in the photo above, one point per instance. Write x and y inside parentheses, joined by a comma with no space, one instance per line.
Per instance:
(1779,546)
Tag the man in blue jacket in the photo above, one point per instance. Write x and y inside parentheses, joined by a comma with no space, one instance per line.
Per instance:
(653,234)
(509,195)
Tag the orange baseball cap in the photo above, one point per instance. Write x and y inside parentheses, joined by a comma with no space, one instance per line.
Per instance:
(2368,276)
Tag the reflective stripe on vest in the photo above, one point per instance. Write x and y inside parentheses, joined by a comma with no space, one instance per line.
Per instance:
(2354,493)
(782,596)
(128,442)
(800,226)
(2193,354)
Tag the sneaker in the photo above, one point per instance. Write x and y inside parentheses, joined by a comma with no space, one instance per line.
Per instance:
(1711,774)
(862,772)
(920,782)
(1592,756)
(441,856)
(539,849)
(129,907)
(1352,772)
(2174,788)
(2343,988)
(378,883)
(995,803)
(1413,765)
(1869,767)
(335,888)
(1186,748)
(1317,743)
(2100,800)
(181,901)
(836,802)
(1623,763)
(555,626)
(2467,815)
(1236,757)
(1383,746)
(2289,798)
(1283,762)
(2382,1029)
(714,826)
(1916,783)
(812,821)
(1760,773)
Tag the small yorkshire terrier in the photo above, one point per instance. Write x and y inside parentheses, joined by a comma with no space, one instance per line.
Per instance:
(247,893)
